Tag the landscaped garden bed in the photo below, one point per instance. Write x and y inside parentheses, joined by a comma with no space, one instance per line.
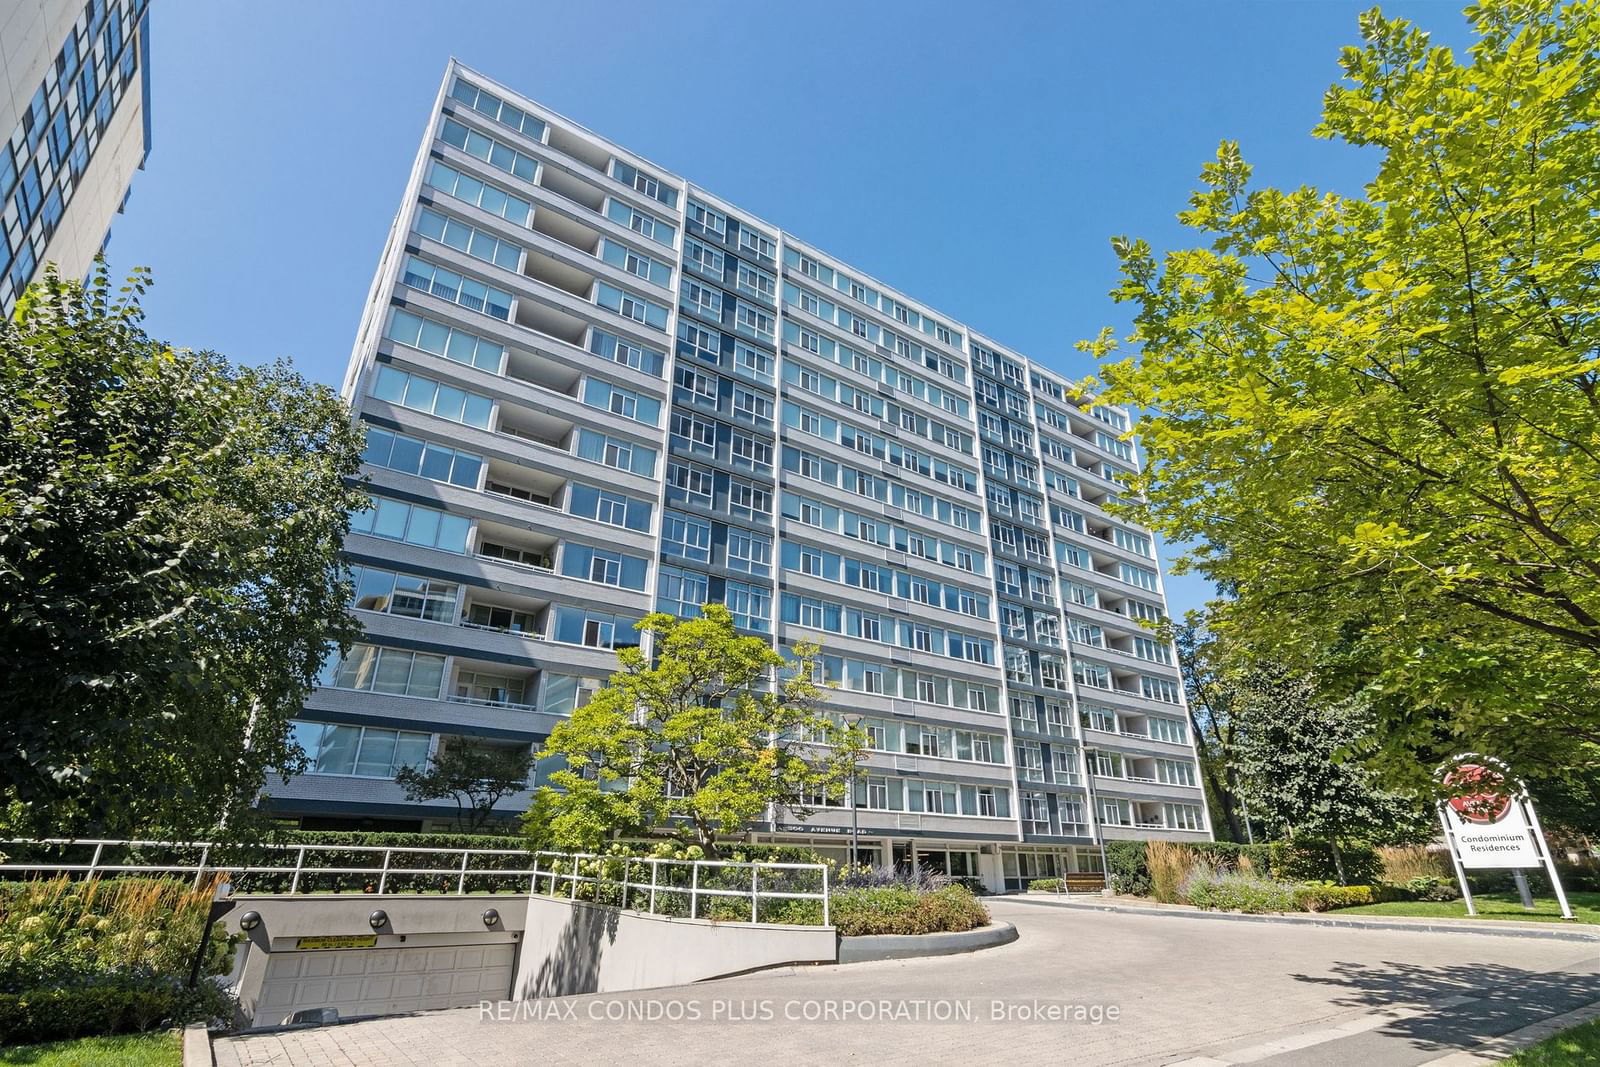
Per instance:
(1278,878)
(104,957)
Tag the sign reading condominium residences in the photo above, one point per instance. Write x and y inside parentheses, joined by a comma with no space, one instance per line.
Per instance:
(1506,842)
(1489,820)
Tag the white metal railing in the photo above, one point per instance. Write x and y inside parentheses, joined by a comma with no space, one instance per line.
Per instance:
(487,702)
(518,563)
(564,873)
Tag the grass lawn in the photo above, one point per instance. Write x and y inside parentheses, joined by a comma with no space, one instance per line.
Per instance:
(1580,1045)
(126,1050)
(1585,906)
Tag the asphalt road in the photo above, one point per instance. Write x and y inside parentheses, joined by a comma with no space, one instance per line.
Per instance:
(1078,986)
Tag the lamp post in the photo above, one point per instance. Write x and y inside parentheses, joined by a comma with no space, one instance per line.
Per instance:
(853,721)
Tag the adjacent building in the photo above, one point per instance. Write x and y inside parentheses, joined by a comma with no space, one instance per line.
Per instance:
(77,112)
(592,389)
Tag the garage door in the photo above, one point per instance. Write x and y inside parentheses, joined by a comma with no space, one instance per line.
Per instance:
(383,981)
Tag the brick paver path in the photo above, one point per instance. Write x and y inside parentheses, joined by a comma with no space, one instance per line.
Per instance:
(1183,990)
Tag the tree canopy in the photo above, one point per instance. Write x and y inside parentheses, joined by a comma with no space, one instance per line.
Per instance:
(1376,418)
(170,580)
(697,734)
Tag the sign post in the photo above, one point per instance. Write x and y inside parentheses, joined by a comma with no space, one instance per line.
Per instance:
(1489,824)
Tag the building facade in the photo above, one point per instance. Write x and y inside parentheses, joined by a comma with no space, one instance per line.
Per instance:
(77,111)
(592,390)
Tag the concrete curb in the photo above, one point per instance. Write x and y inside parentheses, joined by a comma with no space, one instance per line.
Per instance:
(197,1046)
(1485,928)
(909,946)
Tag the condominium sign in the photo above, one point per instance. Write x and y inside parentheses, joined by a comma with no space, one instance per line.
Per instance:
(1490,827)
(1489,823)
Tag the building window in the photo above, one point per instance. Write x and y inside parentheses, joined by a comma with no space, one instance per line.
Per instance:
(357,751)
(397,672)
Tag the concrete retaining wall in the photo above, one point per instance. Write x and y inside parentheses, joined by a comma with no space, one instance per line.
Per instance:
(415,921)
(573,947)
(907,946)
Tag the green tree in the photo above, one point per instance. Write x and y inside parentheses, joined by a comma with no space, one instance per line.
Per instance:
(696,742)
(170,579)
(1376,419)
(1300,766)
(477,776)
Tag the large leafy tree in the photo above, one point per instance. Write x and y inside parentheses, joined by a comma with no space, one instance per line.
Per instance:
(170,579)
(695,739)
(1377,418)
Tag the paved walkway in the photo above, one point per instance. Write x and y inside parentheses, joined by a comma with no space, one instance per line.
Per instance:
(1165,990)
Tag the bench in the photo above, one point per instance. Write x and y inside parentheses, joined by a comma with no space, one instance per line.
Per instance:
(1083,882)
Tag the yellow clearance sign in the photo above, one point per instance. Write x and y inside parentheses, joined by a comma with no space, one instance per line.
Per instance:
(337,941)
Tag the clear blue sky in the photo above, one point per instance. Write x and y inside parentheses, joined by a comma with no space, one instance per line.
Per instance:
(976,156)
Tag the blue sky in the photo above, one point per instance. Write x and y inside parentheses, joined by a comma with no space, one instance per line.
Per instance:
(977,156)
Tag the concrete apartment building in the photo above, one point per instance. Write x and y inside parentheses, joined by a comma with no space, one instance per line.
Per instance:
(592,390)
(76,107)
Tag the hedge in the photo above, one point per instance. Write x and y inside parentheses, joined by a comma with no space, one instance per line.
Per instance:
(108,1004)
(899,910)
(1045,885)
(1325,896)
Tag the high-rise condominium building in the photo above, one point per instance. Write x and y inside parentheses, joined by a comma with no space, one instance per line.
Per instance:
(592,389)
(77,111)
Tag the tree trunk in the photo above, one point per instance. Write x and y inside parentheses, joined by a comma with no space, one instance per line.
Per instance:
(706,838)
(1338,859)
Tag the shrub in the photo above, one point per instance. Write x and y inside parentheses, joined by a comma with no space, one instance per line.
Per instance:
(1326,896)
(1307,860)
(1169,866)
(1232,891)
(1428,887)
(901,910)
(114,1004)
(1126,869)
(1045,885)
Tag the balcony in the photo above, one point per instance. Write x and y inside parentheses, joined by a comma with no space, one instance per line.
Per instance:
(579,149)
(567,185)
(537,427)
(545,320)
(525,484)
(493,685)
(540,370)
(506,613)
(573,234)
(558,275)
(519,548)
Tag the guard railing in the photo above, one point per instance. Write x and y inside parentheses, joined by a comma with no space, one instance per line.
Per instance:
(723,890)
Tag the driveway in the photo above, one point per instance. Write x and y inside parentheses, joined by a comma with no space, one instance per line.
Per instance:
(1077,986)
